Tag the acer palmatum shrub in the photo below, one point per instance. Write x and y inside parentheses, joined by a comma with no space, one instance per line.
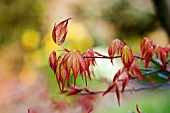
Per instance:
(76,63)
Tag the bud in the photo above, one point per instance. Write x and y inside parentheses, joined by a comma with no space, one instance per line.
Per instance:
(127,56)
(162,54)
(115,47)
(52,61)
(60,31)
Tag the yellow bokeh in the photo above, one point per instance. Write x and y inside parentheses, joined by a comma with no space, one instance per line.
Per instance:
(30,39)
(78,37)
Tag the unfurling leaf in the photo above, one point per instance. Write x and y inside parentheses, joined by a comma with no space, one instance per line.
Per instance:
(124,83)
(61,73)
(89,53)
(116,77)
(74,61)
(112,86)
(147,48)
(90,61)
(118,94)
(53,61)
(135,71)
(162,54)
(127,56)
(60,31)
(115,48)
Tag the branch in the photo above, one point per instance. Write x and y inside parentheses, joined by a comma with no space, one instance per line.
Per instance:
(147,73)
(136,56)
(129,90)
(106,57)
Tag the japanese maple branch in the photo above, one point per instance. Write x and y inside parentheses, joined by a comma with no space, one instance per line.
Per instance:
(136,56)
(129,90)
(148,73)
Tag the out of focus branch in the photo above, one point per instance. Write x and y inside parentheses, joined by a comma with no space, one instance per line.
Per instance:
(132,90)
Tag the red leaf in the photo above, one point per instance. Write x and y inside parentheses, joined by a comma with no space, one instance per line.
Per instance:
(135,71)
(60,31)
(53,60)
(109,88)
(74,61)
(162,54)
(147,48)
(118,94)
(117,76)
(89,53)
(125,82)
(115,48)
(61,73)
(137,108)
(127,56)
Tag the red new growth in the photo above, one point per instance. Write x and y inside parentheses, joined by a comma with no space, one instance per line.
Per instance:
(127,56)
(75,63)
(60,31)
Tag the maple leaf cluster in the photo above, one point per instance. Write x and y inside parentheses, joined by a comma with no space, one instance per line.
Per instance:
(72,63)
(148,49)
(75,63)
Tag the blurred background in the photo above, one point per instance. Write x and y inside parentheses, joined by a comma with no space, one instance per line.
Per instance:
(27,82)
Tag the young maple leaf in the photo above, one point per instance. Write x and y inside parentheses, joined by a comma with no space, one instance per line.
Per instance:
(60,31)
(147,48)
(118,94)
(53,60)
(162,54)
(124,83)
(89,53)
(116,77)
(127,56)
(135,71)
(111,86)
(61,74)
(74,61)
(114,48)
(89,61)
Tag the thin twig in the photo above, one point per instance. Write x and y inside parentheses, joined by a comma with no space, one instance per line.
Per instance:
(106,57)
(146,69)
(129,90)
(147,73)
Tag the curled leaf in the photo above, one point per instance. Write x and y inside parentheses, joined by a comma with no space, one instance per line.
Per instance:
(111,86)
(115,47)
(53,60)
(91,60)
(74,61)
(162,54)
(116,77)
(127,56)
(61,73)
(135,71)
(118,94)
(124,83)
(147,48)
(60,31)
